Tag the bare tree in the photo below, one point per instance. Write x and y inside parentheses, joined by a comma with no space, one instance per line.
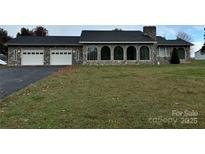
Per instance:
(184,36)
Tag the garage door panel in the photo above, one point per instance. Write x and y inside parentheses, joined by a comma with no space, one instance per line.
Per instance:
(61,57)
(32,57)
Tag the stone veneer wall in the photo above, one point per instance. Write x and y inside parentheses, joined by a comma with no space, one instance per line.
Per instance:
(12,61)
(76,54)
(80,54)
(151,47)
(166,60)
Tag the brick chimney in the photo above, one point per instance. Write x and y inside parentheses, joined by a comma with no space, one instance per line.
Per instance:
(150,31)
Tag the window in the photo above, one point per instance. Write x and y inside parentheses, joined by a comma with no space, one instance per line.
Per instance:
(181,53)
(105,53)
(92,53)
(163,52)
(131,53)
(77,55)
(15,54)
(118,53)
(144,53)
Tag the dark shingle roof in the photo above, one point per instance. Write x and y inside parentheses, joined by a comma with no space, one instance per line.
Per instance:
(45,40)
(94,37)
(114,36)
(177,42)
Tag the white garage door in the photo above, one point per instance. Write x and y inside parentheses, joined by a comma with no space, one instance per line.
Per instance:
(32,57)
(61,57)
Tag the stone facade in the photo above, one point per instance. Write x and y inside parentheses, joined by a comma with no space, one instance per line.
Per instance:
(79,54)
(166,60)
(152,49)
(14,54)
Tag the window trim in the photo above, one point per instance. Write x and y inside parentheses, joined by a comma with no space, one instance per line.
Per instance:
(15,55)
(165,52)
(149,53)
(116,53)
(109,51)
(135,52)
(87,51)
(184,53)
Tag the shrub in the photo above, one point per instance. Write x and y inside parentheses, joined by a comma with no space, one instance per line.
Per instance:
(175,57)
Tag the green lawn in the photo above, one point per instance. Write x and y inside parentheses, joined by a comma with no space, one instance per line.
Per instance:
(140,96)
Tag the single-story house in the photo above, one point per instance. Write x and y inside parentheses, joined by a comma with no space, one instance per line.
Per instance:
(96,47)
(200,55)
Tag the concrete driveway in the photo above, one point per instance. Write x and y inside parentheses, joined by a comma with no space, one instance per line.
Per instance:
(15,78)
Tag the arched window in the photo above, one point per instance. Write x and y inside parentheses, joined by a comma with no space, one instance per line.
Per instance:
(92,53)
(118,53)
(144,53)
(131,53)
(105,53)
(181,53)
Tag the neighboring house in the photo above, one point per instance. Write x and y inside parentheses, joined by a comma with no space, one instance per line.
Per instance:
(3,57)
(96,47)
(200,55)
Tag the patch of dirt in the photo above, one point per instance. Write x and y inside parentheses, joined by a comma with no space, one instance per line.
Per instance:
(67,69)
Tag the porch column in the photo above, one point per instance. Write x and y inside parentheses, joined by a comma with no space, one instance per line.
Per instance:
(112,52)
(137,53)
(98,53)
(124,52)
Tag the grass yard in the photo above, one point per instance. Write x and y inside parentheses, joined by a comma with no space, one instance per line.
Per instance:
(141,96)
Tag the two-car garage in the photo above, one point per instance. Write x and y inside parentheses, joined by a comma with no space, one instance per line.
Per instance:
(44,50)
(36,57)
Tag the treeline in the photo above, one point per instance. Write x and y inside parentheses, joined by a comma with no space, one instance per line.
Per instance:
(4,37)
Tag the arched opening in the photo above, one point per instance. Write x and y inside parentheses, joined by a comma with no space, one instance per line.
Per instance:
(144,53)
(181,53)
(105,53)
(131,53)
(118,53)
(174,57)
(92,53)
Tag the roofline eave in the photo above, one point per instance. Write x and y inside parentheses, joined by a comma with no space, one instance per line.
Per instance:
(43,44)
(100,42)
(176,44)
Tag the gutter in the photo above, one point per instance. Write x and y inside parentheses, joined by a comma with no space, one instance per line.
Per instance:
(85,42)
(43,44)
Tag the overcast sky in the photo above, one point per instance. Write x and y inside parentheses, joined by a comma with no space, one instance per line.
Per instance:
(169,32)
